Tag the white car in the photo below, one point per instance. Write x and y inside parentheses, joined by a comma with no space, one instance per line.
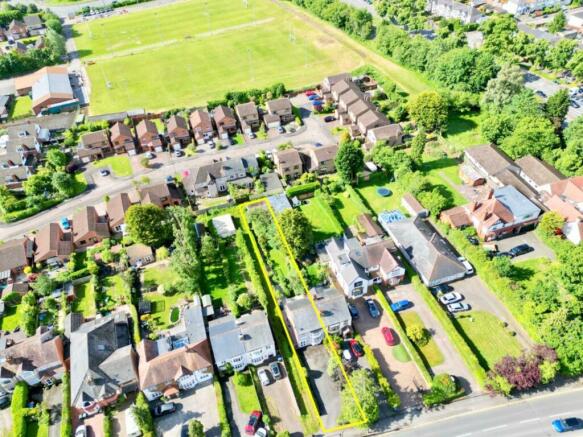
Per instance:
(264,377)
(467,265)
(458,307)
(149,155)
(261,432)
(81,431)
(449,298)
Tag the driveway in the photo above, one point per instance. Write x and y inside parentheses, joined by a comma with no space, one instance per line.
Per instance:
(237,418)
(541,250)
(5,421)
(282,404)
(53,397)
(404,378)
(199,404)
(452,363)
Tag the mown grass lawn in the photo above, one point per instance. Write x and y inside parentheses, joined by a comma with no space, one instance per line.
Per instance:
(159,275)
(84,300)
(368,190)
(10,319)
(217,276)
(463,130)
(324,224)
(246,394)
(119,165)
(348,208)
(162,307)
(21,107)
(429,351)
(488,337)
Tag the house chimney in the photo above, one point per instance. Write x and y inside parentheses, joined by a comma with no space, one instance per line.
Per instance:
(490,193)
(473,206)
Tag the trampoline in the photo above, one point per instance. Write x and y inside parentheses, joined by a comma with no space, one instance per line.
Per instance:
(385,192)
(391,216)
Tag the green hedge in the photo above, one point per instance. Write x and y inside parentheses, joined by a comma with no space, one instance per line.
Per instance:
(298,190)
(392,397)
(425,372)
(18,409)
(251,268)
(66,427)
(25,213)
(223,418)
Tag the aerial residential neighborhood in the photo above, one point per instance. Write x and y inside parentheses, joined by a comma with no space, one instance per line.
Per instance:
(288,218)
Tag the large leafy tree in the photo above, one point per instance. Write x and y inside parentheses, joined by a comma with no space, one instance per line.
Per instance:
(63,183)
(38,184)
(366,389)
(558,22)
(148,224)
(560,55)
(465,69)
(557,107)
(429,110)
(349,160)
(532,136)
(500,90)
(297,231)
(195,428)
(184,259)
(57,159)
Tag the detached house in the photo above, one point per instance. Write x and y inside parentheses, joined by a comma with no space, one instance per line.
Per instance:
(89,228)
(243,341)
(53,245)
(93,146)
(288,163)
(321,159)
(162,195)
(116,209)
(357,266)
(122,139)
(17,30)
(225,121)
(301,318)
(201,125)
(148,136)
(282,109)
(248,116)
(34,24)
(177,132)
(15,255)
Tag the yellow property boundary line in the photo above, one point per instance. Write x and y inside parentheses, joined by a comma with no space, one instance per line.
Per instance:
(328,340)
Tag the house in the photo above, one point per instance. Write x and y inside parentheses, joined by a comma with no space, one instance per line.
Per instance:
(357,108)
(34,24)
(321,159)
(413,207)
(536,173)
(36,360)
(225,121)
(201,125)
(429,253)
(288,163)
(211,180)
(271,183)
(162,195)
(148,136)
(371,119)
(349,99)
(140,255)
(305,327)
(122,139)
(224,225)
(504,212)
(243,341)
(344,86)
(89,228)
(177,132)
(391,134)
(366,229)
(17,30)
(20,153)
(523,7)
(565,197)
(330,81)
(282,109)
(116,208)
(53,246)
(452,9)
(357,267)
(248,116)
(94,145)
(105,364)
(51,86)
(15,255)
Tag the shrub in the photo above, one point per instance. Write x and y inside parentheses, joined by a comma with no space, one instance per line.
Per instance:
(298,190)
(418,334)
(18,409)
(66,426)
(143,416)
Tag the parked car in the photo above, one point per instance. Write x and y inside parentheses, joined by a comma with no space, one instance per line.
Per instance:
(389,335)
(401,305)
(274,367)
(252,135)
(356,348)
(347,355)
(310,93)
(65,224)
(353,310)
(467,265)
(254,422)
(449,298)
(264,377)
(540,93)
(281,130)
(442,288)
(329,118)
(570,424)
(473,240)
(373,310)
(163,409)
(4,401)
(314,96)
(169,179)
(458,307)
(103,172)
(177,153)
(574,104)
(521,249)
(81,431)
(149,155)
(261,432)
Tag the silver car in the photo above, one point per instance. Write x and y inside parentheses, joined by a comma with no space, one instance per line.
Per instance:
(449,298)
(458,307)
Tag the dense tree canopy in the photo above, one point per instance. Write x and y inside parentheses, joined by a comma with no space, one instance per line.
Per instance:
(532,136)
(429,110)
(465,69)
(297,230)
(508,83)
(148,224)
(349,160)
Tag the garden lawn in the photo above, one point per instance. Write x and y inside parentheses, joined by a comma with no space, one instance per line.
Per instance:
(444,172)
(324,224)
(217,276)
(213,47)
(159,275)
(430,351)
(488,338)
(378,203)
(10,319)
(119,165)
(159,319)
(246,396)
(348,208)
(21,107)
(115,288)
(463,130)
(84,300)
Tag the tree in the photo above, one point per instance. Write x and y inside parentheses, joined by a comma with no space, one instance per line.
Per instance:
(245,301)
(497,126)
(143,416)
(366,389)
(532,136)
(418,147)
(148,224)
(418,334)
(297,231)
(429,110)
(162,253)
(500,90)
(557,107)
(499,33)
(558,22)
(465,69)
(434,201)
(576,65)
(184,260)
(393,162)
(562,53)
(209,250)
(498,384)
(56,159)
(38,184)
(349,160)
(195,428)
(28,313)
(44,285)
(503,266)
(63,183)
(549,223)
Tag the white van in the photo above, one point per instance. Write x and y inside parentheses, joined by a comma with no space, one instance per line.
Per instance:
(132,428)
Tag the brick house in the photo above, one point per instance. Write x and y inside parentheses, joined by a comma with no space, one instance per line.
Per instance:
(321,159)
(288,163)
(148,136)
(201,125)
(89,228)
(122,139)
(282,108)
(94,145)
(177,132)
(53,245)
(248,116)
(225,121)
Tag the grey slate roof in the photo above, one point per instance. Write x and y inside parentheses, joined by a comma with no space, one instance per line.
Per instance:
(51,83)
(515,202)
(330,303)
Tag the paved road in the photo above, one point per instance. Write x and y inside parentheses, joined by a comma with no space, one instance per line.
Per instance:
(537,83)
(65,10)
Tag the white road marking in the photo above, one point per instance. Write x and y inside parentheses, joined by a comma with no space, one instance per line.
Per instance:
(530,420)
(494,428)
(566,413)
(464,435)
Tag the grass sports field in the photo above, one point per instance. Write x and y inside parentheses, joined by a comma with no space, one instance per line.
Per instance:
(187,53)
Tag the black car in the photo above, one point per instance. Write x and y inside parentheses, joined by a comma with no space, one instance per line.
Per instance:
(521,249)
(163,409)
(4,401)
(329,118)
(442,288)
(473,240)
(353,310)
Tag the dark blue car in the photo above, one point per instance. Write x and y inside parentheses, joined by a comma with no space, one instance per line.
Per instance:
(565,425)
(373,310)
(401,305)
(353,310)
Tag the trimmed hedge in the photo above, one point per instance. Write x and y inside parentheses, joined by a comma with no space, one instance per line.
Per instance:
(28,212)
(66,426)
(251,268)
(223,418)
(18,409)
(298,190)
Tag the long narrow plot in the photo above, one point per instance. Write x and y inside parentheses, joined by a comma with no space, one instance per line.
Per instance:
(325,424)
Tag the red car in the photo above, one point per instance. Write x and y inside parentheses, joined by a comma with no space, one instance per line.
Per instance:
(389,335)
(310,93)
(254,422)
(356,348)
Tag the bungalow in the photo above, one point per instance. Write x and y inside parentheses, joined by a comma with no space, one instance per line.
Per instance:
(89,228)
(201,125)
(504,212)
(148,136)
(243,341)
(162,195)
(321,159)
(139,255)
(34,24)
(17,30)
(248,116)
(357,267)
(225,121)
(36,360)
(53,245)
(105,365)
(122,139)
(536,173)
(177,132)
(431,255)
(288,163)
(15,255)
(94,145)
(116,209)
(281,108)
(391,134)
(302,320)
